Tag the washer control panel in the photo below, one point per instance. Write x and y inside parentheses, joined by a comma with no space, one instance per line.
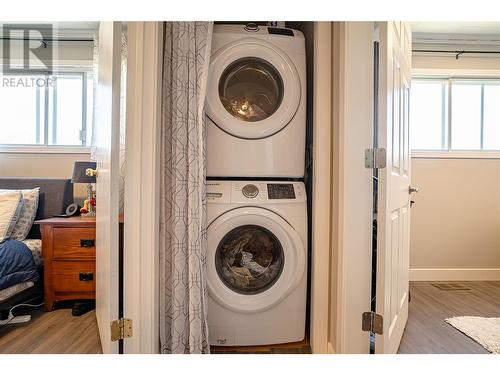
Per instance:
(280,191)
(256,192)
(218,192)
(250,191)
(280,31)
(252,27)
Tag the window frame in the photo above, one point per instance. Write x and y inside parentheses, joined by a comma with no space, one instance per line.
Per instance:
(445,76)
(46,147)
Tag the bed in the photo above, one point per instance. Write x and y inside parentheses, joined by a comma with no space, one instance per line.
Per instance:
(55,195)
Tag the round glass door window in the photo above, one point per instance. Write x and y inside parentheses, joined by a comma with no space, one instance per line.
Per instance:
(249,259)
(251,89)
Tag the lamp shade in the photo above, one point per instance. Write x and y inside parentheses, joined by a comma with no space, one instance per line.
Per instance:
(79,175)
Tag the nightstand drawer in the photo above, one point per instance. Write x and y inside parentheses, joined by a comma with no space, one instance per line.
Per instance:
(74,243)
(69,256)
(73,276)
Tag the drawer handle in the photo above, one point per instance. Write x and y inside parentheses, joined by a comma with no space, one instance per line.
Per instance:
(86,276)
(87,243)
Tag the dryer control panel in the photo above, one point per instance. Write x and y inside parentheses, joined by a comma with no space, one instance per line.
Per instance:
(280,191)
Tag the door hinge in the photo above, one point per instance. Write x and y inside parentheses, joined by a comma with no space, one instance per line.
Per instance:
(121,329)
(373,322)
(375,158)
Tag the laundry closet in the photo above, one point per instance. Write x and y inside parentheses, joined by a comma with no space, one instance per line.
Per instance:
(257,186)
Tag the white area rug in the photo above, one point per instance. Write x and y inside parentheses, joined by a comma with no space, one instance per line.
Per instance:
(485,331)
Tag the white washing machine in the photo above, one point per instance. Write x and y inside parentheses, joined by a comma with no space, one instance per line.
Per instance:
(256,102)
(257,262)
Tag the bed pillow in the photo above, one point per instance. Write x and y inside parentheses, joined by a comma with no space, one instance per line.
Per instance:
(27,215)
(11,204)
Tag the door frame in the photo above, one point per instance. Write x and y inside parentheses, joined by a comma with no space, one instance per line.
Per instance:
(352,185)
(321,191)
(342,186)
(142,170)
(330,268)
(141,255)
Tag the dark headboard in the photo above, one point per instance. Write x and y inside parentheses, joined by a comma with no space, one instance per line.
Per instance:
(55,196)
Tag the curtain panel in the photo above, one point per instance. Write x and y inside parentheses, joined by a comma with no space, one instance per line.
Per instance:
(183,242)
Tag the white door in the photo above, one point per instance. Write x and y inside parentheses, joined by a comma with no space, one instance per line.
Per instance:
(107,157)
(394,182)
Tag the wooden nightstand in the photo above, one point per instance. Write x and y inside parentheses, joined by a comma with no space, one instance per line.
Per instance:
(68,246)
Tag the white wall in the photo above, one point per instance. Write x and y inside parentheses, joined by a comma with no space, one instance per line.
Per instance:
(450,63)
(43,165)
(62,54)
(455,223)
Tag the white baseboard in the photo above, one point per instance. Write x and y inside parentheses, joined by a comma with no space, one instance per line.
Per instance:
(454,274)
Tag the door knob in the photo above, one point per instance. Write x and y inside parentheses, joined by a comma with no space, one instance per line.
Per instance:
(413,189)
(91,172)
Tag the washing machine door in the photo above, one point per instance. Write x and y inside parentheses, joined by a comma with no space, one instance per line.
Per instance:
(255,259)
(253,89)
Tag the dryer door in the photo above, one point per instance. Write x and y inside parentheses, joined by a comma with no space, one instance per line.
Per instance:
(255,259)
(253,89)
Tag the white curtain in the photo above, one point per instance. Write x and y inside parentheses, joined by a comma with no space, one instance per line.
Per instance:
(183,243)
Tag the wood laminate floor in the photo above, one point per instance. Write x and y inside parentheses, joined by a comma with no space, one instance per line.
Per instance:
(55,332)
(301,347)
(426,331)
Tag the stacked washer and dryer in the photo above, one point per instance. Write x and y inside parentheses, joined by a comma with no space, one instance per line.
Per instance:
(256,202)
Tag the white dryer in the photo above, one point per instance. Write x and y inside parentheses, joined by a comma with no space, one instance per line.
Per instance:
(256,102)
(257,262)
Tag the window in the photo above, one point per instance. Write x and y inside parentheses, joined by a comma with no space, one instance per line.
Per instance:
(455,114)
(47,110)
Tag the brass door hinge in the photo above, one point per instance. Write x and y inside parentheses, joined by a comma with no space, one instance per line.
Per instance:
(121,329)
(373,322)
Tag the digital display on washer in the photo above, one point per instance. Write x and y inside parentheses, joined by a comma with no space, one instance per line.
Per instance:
(280,191)
(279,31)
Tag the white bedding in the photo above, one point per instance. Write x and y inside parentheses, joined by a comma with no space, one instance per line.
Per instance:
(14,289)
(36,248)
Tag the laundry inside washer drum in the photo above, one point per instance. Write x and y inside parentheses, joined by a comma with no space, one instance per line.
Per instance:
(251,89)
(249,259)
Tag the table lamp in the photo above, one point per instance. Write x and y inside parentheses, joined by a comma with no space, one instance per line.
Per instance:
(80,176)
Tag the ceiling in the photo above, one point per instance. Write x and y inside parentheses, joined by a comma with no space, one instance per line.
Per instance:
(456,31)
(61,25)
(73,30)
(471,28)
